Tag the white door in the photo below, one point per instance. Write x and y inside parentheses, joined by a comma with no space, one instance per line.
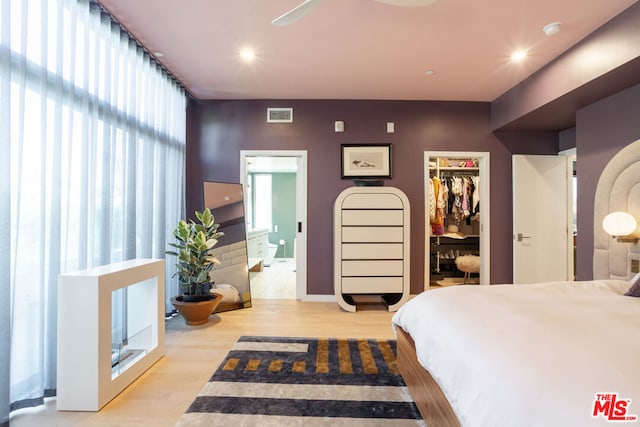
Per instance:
(540,219)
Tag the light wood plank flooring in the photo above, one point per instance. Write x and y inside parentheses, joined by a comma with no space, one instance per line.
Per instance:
(277,281)
(162,394)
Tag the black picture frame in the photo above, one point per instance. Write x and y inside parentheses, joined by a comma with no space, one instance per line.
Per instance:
(362,161)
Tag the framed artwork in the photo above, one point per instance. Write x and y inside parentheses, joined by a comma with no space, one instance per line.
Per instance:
(366,161)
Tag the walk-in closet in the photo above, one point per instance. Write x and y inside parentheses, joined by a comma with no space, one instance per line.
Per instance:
(456,205)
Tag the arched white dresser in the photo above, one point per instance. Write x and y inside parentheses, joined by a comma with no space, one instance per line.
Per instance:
(371,245)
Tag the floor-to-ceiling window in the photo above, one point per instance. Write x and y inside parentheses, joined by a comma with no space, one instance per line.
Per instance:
(92,139)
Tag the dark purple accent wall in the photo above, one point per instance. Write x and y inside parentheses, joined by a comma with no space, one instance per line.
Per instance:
(603,128)
(218,130)
(567,139)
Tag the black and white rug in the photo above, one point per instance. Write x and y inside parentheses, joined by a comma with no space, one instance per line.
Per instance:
(274,381)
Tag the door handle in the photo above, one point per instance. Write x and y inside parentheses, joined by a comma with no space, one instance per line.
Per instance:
(521,237)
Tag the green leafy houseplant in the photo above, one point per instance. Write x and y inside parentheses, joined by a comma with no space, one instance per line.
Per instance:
(194,243)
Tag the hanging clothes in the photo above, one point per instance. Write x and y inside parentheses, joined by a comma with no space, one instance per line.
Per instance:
(444,200)
(476,195)
(456,187)
(432,201)
(459,196)
(465,197)
(437,223)
(451,202)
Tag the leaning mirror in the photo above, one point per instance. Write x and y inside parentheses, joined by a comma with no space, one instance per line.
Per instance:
(231,277)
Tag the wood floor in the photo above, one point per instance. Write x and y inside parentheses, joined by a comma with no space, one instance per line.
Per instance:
(162,394)
(276,281)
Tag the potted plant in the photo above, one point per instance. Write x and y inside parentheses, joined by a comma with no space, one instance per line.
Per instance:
(194,243)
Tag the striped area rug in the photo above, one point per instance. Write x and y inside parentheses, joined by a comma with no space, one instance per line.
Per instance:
(273,381)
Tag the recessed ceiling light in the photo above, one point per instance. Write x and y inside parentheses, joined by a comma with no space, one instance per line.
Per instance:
(429,72)
(552,28)
(518,55)
(158,54)
(247,54)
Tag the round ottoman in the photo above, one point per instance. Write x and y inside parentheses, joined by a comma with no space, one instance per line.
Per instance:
(468,264)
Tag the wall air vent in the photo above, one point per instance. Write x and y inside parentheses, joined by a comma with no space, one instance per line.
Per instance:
(279,115)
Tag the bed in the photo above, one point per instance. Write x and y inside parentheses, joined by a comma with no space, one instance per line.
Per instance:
(525,355)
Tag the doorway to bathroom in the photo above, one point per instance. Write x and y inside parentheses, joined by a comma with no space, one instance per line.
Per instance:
(275,201)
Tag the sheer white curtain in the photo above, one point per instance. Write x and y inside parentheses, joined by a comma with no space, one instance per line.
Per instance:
(92,142)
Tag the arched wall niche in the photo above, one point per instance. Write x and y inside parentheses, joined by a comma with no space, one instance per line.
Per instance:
(618,189)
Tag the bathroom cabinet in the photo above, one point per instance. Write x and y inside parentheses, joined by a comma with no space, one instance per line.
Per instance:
(257,246)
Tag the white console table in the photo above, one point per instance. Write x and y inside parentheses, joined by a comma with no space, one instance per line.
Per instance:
(110,330)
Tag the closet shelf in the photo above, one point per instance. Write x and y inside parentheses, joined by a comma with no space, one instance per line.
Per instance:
(455,168)
(457,236)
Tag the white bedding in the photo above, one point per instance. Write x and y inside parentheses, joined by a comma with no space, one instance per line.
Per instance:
(529,355)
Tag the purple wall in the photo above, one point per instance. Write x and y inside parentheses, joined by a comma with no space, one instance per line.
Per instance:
(602,129)
(567,139)
(218,130)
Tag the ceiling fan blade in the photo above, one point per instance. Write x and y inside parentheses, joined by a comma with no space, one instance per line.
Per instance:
(407,3)
(296,13)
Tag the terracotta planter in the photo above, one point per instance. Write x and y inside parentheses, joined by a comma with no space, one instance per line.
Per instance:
(196,313)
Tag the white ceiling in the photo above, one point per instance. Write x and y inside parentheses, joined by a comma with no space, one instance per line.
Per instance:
(357,49)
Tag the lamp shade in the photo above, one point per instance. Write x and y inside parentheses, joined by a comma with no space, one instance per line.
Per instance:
(619,224)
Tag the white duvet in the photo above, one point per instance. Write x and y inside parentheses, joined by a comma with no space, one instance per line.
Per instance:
(529,355)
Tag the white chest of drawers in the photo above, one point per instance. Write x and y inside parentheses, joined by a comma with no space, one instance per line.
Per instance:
(371,245)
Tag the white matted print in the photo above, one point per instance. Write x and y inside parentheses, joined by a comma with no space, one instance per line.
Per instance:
(366,161)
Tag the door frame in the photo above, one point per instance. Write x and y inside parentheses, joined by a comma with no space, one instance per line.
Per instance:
(570,154)
(485,199)
(301,207)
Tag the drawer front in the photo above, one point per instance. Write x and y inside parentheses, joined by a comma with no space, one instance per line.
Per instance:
(372,217)
(372,201)
(252,247)
(372,234)
(372,251)
(372,285)
(372,268)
